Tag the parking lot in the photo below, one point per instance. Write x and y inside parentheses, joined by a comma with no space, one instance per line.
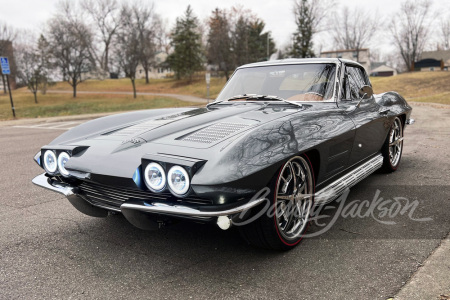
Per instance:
(50,250)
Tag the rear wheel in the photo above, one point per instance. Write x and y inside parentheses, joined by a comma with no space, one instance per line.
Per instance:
(282,227)
(393,146)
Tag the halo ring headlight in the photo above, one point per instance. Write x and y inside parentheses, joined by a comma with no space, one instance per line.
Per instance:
(155,177)
(178,180)
(50,162)
(63,158)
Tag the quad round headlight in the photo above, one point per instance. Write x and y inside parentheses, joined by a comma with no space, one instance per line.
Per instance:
(178,180)
(63,158)
(155,178)
(50,163)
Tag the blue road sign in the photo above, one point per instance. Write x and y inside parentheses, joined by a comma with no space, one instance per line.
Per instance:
(5,66)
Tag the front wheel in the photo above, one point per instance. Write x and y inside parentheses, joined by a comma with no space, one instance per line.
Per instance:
(393,146)
(283,225)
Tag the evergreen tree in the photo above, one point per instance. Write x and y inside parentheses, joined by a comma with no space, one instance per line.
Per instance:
(303,45)
(240,42)
(260,45)
(187,57)
(219,50)
(250,44)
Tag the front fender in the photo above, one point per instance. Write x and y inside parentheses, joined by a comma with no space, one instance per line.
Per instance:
(395,102)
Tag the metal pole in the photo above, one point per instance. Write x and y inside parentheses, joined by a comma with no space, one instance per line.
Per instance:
(10,97)
(4,83)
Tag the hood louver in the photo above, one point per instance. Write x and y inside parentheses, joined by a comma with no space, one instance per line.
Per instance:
(213,133)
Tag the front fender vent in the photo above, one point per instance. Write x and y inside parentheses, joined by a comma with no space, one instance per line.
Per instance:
(214,133)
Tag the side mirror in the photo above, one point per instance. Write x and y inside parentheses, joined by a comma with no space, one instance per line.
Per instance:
(365,92)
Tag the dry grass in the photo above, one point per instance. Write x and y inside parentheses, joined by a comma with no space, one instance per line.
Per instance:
(417,86)
(168,85)
(63,104)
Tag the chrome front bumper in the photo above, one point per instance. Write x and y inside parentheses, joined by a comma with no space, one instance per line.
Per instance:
(53,185)
(137,212)
(71,194)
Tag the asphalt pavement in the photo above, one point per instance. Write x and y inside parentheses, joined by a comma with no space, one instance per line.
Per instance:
(48,250)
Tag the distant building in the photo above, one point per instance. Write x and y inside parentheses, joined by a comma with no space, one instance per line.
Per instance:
(7,50)
(96,73)
(428,64)
(160,68)
(433,61)
(363,57)
(381,69)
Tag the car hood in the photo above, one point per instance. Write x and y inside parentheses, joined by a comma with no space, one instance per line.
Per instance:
(188,133)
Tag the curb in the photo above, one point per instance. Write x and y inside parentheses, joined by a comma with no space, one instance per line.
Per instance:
(432,279)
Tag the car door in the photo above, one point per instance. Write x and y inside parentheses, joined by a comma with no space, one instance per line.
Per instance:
(371,126)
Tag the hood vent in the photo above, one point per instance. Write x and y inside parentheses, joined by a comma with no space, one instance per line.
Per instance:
(214,133)
(146,126)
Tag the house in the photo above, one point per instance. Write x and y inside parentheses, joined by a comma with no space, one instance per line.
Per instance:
(94,73)
(160,68)
(433,61)
(428,64)
(381,69)
(362,56)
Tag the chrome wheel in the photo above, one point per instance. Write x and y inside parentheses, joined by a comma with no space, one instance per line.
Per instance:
(395,142)
(293,198)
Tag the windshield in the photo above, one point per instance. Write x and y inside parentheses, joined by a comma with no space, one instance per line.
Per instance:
(300,82)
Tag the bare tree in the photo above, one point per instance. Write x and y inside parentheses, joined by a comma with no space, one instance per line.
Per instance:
(29,69)
(147,23)
(128,45)
(105,15)
(45,61)
(7,35)
(163,35)
(445,31)
(353,29)
(71,44)
(318,10)
(410,28)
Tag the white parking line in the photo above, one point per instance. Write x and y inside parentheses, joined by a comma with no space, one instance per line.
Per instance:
(65,124)
(52,126)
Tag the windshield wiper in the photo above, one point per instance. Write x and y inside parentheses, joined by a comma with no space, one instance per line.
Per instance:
(257,97)
(244,96)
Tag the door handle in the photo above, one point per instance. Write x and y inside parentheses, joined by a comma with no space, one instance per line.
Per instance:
(384,111)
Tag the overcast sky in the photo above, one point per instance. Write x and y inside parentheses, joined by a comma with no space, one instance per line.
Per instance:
(278,14)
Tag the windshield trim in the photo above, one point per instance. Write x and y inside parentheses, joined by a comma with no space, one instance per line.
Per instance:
(332,98)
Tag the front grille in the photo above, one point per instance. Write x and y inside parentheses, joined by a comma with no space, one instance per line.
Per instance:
(214,133)
(116,196)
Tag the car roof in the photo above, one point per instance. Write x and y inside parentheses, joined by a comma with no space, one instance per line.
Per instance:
(293,61)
